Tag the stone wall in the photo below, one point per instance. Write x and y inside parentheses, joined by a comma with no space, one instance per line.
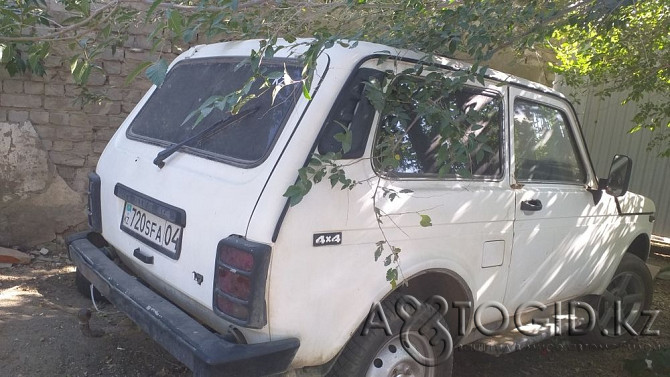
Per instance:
(75,135)
(36,204)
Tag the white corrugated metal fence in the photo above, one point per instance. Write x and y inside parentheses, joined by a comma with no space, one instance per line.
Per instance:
(605,124)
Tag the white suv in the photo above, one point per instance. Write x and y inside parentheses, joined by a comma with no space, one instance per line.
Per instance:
(192,236)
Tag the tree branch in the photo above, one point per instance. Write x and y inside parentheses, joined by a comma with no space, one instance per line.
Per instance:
(60,31)
(247,4)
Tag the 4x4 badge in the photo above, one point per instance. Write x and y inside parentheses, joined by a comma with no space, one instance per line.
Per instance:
(325,239)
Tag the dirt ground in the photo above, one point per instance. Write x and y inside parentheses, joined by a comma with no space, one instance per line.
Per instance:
(39,335)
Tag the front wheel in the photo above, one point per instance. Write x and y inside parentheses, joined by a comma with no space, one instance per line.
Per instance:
(619,310)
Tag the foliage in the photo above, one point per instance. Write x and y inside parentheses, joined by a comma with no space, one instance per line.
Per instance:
(318,168)
(437,109)
(627,50)
(30,29)
(585,33)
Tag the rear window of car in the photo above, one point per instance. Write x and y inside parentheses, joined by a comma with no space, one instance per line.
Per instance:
(247,142)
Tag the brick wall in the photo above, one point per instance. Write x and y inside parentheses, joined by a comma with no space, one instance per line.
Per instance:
(75,135)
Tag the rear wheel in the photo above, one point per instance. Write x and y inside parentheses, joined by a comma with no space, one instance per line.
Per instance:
(392,359)
(380,355)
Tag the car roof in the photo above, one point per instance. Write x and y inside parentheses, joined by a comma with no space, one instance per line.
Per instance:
(347,54)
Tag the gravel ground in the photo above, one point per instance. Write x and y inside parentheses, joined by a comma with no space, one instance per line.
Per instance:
(39,336)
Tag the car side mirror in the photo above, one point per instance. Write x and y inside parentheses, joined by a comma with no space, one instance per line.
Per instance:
(619,177)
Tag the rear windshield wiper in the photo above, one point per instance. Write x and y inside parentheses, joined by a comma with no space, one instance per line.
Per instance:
(169,151)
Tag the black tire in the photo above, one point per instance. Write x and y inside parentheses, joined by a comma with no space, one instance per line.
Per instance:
(84,287)
(632,286)
(377,354)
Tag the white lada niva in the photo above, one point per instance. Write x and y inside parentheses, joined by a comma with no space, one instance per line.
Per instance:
(192,237)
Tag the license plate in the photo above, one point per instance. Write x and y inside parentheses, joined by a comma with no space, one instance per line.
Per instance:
(151,229)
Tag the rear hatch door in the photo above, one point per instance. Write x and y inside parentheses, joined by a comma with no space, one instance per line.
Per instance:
(166,222)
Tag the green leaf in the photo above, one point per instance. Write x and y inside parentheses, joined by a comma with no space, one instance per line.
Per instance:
(151,9)
(274,75)
(80,70)
(189,34)
(204,111)
(295,194)
(396,252)
(85,73)
(84,6)
(175,22)
(75,66)
(292,191)
(140,67)
(157,71)
(334,178)
(305,92)
(425,221)
(8,13)
(318,176)
(375,95)
(345,138)
(378,251)
(392,276)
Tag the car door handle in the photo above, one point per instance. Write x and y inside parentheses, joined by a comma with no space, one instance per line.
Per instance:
(531,205)
(148,259)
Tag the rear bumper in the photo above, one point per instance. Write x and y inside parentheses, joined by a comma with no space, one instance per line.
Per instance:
(204,352)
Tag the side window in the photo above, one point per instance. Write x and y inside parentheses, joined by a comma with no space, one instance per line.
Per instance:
(459,135)
(544,146)
(352,111)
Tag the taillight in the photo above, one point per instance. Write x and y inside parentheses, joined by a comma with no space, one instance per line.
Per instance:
(232,308)
(234,283)
(235,258)
(239,283)
(94,210)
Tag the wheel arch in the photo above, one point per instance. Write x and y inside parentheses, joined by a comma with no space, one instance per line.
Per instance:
(640,247)
(449,285)
(422,285)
